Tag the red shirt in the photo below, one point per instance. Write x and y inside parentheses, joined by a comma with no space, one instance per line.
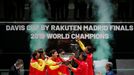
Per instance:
(55,70)
(42,72)
(90,64)
(33,71)
(63,68)
(82,68)
(52,72)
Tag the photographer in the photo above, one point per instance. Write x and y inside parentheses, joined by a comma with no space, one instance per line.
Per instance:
(16,68)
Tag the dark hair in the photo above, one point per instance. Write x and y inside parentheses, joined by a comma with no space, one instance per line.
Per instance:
(90,49)
(40,50)
(34,54)
(19,61)
(110,65)
(60,50)
(84,55)
(52,52)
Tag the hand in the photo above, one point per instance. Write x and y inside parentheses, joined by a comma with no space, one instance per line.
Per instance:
(77,39)
(46,56)
(64,62)
(58,63)
(71,58)
(70,66)
(73,54)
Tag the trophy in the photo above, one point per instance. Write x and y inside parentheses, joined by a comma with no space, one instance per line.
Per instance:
(66,57)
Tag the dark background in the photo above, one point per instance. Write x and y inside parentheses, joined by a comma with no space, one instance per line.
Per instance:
(15,44)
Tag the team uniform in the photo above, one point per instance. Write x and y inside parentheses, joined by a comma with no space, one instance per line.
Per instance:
(82,68)
(89,59)
(37,67)
(63,68)
(53,68)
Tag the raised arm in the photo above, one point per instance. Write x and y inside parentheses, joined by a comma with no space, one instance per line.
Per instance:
(82,46)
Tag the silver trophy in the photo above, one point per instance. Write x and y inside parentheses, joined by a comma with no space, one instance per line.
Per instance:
(66,56)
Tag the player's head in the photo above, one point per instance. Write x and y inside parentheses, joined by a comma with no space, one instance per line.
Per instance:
(61,51)
(19,63)
(109,66)
(42,53)
(54,53)
(89,49)
(40,50)
(35,55)
(83,56)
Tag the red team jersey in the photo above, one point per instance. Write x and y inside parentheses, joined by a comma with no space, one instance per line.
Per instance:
(53,68)
(90,64)
(63,68)
(82,69)
(32,71)
(89,59)
(36,68)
